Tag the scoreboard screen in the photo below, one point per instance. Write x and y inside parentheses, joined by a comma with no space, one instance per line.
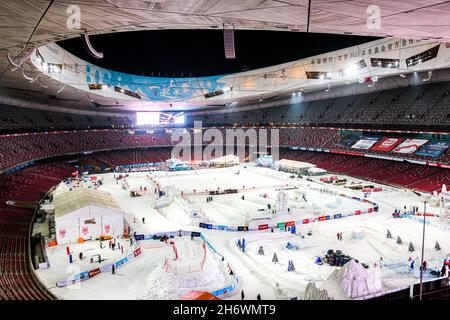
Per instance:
(157,118)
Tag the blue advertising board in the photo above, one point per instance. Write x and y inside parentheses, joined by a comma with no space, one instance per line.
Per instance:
(434,148)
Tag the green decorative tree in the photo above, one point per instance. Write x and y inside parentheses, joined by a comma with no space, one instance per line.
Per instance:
(399,240)
(437,247)
(261,250)
(291,266)
(411,247)
(389,235)
(275,258)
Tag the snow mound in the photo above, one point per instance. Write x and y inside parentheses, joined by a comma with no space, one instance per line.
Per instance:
(314,293)
(349,282)
(160,285)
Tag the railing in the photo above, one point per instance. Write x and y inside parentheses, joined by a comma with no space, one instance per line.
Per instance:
(30,261)
(438,289)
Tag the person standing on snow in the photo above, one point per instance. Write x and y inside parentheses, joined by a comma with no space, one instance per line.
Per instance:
(242,295)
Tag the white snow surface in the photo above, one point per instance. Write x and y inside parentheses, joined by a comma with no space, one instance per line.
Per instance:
(144,277)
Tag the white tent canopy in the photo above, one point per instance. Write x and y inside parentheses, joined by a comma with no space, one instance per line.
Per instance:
(316,171)
(294,166)
(86,213)
(229,159)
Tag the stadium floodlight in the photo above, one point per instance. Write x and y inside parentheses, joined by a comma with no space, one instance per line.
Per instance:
(402,75)
(351,70)
(90,49)
(54,68)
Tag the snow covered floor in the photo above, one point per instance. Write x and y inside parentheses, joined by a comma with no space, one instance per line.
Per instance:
(224,178)
(232,210)
(144,277)
(140,182)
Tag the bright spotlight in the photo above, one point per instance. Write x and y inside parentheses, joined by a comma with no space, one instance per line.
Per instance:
(351,70)
(226,89)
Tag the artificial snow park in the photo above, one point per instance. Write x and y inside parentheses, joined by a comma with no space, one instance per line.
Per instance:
(239,229)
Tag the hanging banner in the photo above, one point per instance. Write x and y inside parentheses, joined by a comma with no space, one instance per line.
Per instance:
(364,144)
(410,146)
(347,141)
(386,144)
(434,148)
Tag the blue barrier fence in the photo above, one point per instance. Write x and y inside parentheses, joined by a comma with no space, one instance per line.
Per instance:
(179,233)
(287,225)
(82,276)
(230,288)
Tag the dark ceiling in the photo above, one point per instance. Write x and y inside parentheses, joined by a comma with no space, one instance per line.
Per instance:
(201,53)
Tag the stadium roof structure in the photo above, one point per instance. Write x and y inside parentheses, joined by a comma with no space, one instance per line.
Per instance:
(77,199)
(56,83)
